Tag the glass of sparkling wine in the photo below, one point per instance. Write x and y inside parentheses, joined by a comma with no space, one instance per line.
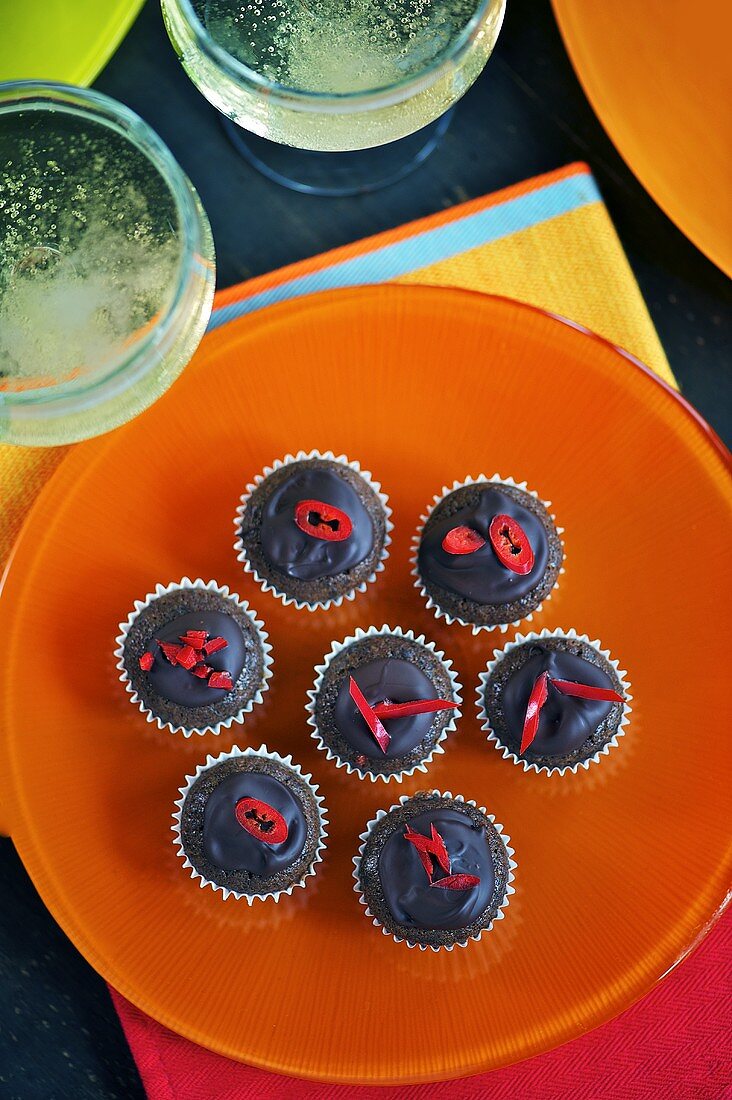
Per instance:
(335,76)
(106,264)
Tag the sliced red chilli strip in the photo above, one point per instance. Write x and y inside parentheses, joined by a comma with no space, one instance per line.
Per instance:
(201,671)
(462,540)
(425,860)
(429,845)
(261,820)
(511,544)
(194,638)
(220,680)
(457,882)
(407,710)
(381,736)
(586,691)
(187,657)
(537,699)
(322,521)
(214,645)
(146,661)
(171,651)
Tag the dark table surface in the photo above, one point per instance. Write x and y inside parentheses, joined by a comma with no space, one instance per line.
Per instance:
(59,1036)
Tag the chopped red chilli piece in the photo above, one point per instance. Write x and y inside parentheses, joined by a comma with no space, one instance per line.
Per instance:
(194,638)
(171,651)
(537,699)
(214,645)
(201,671)
(462,540)
(457,882)
(220,680)
(146,661)
(406,710)
(381,736)
(187,657)
(511,544)
(585,691)
(322,521)
(429,845)
(261,820)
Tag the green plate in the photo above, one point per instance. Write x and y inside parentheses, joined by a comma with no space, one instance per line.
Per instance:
(66,40)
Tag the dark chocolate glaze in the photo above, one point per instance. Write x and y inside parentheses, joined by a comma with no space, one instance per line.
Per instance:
(300,555)
(391,680)
(229,846)
(565,722)
(179,685)
(407,892)
(480,577)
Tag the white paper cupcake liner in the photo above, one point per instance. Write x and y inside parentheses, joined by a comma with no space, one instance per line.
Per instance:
(235,753)
(508,754)
(268,585)
(512,865)
(476,628)
(438,746)
(211,586)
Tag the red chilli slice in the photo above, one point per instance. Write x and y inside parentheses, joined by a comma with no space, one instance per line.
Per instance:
(585,691)
(462,540)
(171,651)
(214,645)
(220,680)
(146,661)
(538,697)
(261,820)
(457,882)
(322,521)
(380,734)
(406,710)
(511,544)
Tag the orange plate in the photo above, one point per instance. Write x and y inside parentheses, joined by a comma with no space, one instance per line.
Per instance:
(657,73)
(620,869)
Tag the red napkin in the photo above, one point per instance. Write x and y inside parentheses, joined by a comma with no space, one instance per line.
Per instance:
(675,1044)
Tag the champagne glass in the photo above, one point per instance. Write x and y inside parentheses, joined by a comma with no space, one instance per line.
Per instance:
(335,76)
(106,264)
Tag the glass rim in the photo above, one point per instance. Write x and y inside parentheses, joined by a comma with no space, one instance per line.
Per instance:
(381,95)
(96,107)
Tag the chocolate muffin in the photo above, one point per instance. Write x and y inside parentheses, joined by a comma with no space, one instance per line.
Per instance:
(194,657)
(553,701)
(397,678)
(313,529)
(488,554)
(250,824)
(434,871)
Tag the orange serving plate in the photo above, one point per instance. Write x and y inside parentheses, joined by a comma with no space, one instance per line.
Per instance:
(620,869)
(657,73)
